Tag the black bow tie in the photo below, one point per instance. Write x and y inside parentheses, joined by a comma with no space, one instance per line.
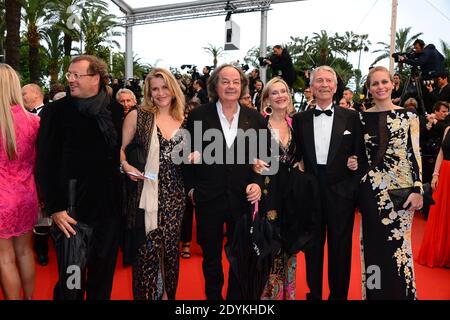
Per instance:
(318,112)
(35,110)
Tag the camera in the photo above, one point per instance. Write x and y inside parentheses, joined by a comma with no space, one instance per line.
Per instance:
(262,63)
(428,82)
(192,68)
(410,54)
(245,67)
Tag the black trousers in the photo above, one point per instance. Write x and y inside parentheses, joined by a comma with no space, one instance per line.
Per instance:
(211,217)
(428,162)
(335,223)
(41,236)
(98,279)
(186,224)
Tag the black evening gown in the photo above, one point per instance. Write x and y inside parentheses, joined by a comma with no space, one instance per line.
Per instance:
(392,147)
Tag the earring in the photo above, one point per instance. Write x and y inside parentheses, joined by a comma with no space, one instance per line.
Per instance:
(268,110)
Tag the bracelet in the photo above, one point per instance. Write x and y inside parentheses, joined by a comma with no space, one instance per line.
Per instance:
(436,174)
(121,165)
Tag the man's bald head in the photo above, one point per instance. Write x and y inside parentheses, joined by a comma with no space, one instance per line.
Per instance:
(32,96)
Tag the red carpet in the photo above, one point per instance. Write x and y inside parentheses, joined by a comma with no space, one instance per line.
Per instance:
(431,283)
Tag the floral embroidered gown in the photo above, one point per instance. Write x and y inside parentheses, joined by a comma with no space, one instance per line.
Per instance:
(392,147)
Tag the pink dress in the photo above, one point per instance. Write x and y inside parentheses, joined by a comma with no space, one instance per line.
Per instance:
(18,196)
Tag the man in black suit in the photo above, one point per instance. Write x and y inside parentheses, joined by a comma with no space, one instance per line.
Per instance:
(327,138)
(33,101)
(221,185)
(79,139)
(442,90)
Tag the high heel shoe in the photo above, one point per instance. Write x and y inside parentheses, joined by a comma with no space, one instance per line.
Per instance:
(185,250)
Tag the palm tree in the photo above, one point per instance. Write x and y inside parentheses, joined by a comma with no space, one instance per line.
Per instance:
(36,18)
(403,41)
(216,52)
(323,46)
(12,42)
(139,68)
(97,29)
(69,13)
(53,51)
(251,58)
(446,52)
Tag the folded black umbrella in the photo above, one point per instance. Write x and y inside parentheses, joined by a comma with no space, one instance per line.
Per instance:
(72,255)
(254,246)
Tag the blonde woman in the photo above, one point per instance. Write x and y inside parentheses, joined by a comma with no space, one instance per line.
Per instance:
(157,201)
(391,136)
(277,105)
(18,197)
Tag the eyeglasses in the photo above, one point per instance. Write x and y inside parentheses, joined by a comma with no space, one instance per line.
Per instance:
(77,76)
(247,97)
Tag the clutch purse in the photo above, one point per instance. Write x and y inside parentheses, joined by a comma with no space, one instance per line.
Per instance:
(399,197)
(135,154)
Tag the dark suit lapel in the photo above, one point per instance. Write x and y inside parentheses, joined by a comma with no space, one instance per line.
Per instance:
(308,133)
(213,117)
(337,133)
(243,121)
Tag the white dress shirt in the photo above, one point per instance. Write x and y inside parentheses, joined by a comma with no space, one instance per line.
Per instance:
(323,125)
(229,129)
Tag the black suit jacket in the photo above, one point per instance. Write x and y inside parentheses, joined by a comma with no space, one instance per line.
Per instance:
(211,181)
(71,146)
(439,94)
(339,178)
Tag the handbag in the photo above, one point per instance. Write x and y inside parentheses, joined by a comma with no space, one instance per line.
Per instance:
(399,197)
(135,154)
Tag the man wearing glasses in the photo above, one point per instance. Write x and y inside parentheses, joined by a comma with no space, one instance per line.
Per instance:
(79,139)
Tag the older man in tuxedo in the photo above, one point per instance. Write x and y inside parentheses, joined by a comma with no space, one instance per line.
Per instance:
(326,138)
(224,188)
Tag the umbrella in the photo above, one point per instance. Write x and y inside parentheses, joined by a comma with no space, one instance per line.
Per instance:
(252,251)
(72,255)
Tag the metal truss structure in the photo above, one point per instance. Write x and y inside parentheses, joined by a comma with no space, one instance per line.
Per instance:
(190,10)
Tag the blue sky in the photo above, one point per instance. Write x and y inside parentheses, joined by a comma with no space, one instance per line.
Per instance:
(172,44)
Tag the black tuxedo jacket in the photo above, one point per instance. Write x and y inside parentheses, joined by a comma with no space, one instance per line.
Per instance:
(346,140)
(211,181)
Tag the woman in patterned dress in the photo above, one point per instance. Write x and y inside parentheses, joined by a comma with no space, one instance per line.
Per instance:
(391,136)
(281,282)
(18,196)
(159,194)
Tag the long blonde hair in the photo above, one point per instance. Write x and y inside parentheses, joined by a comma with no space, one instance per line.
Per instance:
(10,95)
(178,100)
